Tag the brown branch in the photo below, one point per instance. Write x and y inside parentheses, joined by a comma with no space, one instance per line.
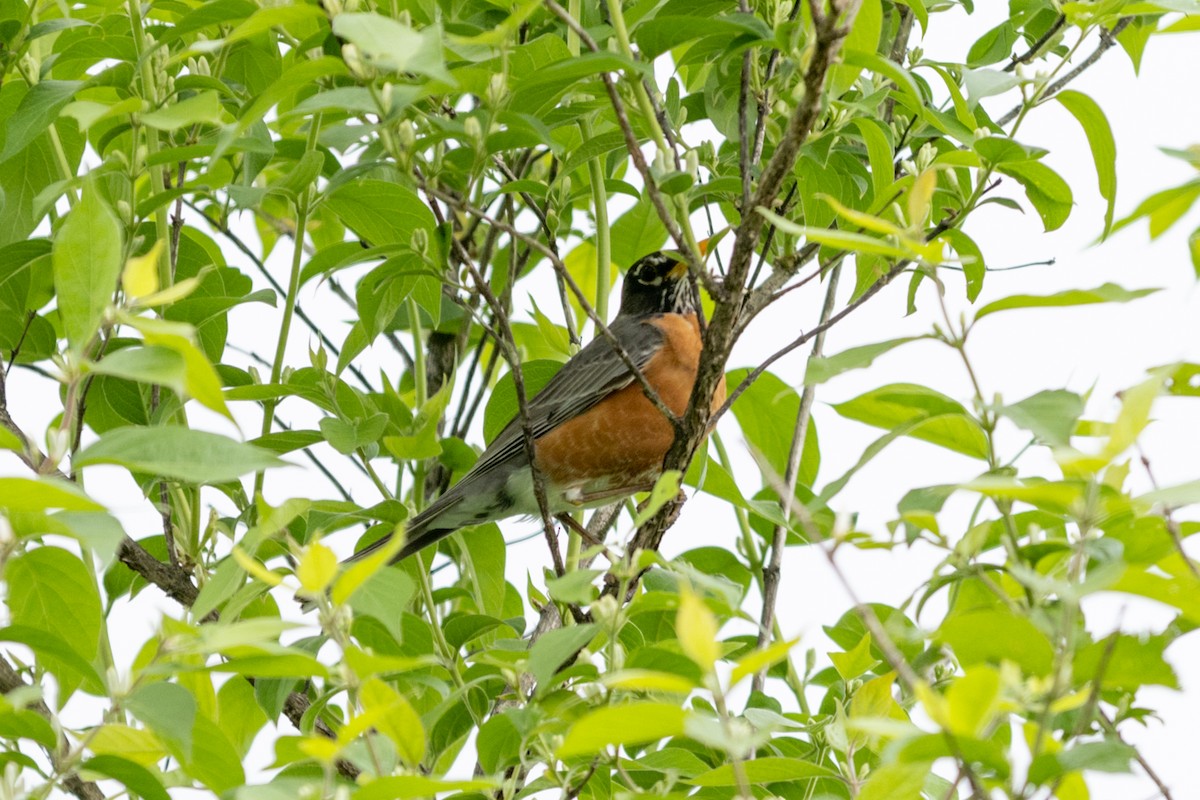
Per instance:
(831,31)
(1036,47)
(1107,40)
(11,680)
(638,158)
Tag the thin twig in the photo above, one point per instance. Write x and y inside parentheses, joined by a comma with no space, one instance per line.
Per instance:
(1036,48)
(1107,40)
(773,570)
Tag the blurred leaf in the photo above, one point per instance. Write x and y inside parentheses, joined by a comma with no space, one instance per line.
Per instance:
(974,700)
(203,107)
(389,44)
(629,724)
(759,771)
(696,628)
(900,780)
(759,411)
(404,787)
(856,661)
(135,777)
(995,636)
(1050,414)
(28,494)
(1105,756)
(395,718)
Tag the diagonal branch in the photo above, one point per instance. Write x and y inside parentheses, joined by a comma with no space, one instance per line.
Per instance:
(831,31)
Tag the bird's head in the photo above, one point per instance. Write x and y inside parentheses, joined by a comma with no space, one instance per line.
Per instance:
(658,284)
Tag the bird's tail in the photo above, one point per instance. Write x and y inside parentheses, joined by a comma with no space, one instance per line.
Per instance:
(420,532)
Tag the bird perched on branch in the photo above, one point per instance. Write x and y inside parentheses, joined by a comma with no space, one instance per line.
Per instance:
(597,435)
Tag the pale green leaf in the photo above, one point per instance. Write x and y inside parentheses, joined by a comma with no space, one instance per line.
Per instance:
(87,264)
(170,451)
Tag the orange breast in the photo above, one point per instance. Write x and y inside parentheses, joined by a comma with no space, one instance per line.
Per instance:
(622,440)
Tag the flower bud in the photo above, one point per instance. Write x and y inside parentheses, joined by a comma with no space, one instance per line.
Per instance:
(406,134)
(473,129)
(497,90)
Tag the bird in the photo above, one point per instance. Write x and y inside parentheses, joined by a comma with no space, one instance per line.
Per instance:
(597,436)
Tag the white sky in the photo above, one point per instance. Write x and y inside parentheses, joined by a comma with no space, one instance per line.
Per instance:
(1107,347)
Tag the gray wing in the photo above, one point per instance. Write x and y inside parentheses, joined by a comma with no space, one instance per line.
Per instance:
(594,373)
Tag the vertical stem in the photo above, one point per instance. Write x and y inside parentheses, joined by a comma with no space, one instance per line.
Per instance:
(303,201)
(421,387)
(157,180)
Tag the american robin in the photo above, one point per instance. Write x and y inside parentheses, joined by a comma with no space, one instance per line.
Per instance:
(597,437)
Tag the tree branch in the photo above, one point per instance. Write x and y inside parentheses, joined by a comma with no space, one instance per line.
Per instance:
(831,31)
(10,680)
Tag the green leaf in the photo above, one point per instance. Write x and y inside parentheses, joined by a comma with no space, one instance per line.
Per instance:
(666,488)
(637,232)
(822,369)
(1126,665)
(238,713)
(630,724)
(170,451)
(1180,591)
(51,590)
(19,723)
(973,700)
(170,711)
(382,213)
(995,45)
(60,658)
(213,761)
(29,494)
(390,45)
(204,107)
(1107,293)
(855,661)
(404,787)
(1050,415)
(772,769)
(87,264)
(382,595)
(1163,208)
(1045,188)
(944,422)
(151,365)
(136,778)
(993,636)
(766,413)
(36,112)
(900,780)
(551,652)
(1106,756)
(1100,138)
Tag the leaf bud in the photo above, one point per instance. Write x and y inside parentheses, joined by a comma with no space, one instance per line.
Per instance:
(497,90)
(419,241)
(925,157)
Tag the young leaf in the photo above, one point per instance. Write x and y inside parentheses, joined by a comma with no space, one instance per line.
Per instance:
(1088,113)
(87,263)
(696,628)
